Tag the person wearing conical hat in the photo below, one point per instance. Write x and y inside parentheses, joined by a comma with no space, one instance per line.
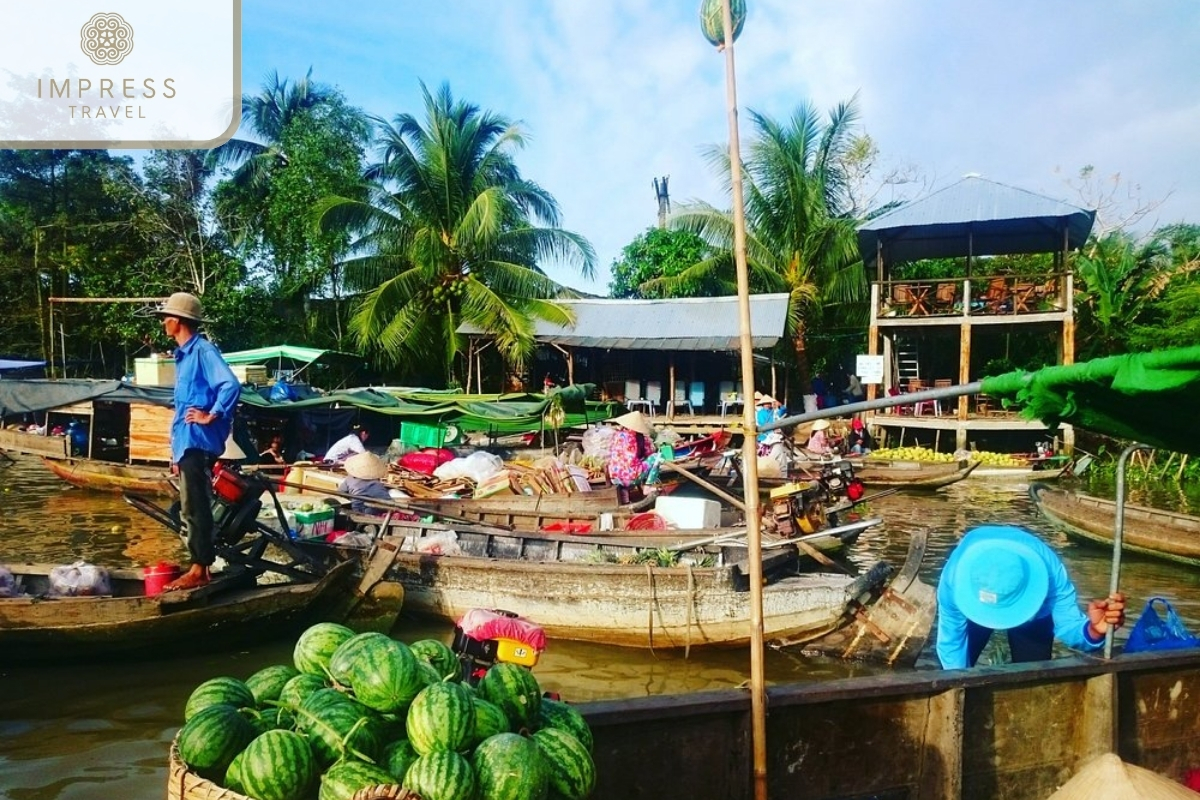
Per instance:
(1003,578)
(818,440)
(206,394)
(631,445)
(364,474)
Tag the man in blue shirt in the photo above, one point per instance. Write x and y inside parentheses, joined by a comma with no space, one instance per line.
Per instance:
(1001,577)
(206,394)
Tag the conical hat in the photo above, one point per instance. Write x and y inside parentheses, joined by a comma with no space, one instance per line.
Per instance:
(1110,778)
(232,451)
(635,421)
(365,466)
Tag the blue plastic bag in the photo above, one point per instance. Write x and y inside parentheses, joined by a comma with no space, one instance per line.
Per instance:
(1152,632)
(281,392)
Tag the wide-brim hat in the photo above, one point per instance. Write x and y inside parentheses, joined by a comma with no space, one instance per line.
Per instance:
(1109,778)
(635,421)
(764,400)
(1000,581)
(232,451)
(182,305)
(820,425)
(365,466)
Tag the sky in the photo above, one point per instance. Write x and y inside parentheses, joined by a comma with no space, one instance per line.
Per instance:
(614,94)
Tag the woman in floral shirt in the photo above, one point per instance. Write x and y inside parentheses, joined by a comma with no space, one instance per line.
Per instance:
(631,445)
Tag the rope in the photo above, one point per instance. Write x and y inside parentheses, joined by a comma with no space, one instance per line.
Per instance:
(650,610)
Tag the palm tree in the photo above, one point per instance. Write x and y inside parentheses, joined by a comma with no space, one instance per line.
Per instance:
(448,235)
(800,232)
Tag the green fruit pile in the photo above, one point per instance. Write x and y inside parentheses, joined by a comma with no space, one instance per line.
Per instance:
(358,710)
(924,454)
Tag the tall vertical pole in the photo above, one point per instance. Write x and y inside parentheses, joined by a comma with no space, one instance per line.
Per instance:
(758,705)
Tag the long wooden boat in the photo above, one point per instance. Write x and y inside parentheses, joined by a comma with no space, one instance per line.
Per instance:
(579,588)
(880,473)
(231,611)
(1147,531)
(107,476)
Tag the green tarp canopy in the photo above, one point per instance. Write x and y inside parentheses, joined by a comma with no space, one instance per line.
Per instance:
(1145,397)
(261,355)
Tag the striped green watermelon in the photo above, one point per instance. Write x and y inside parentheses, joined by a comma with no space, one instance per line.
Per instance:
(393,726)
(268,719)
(344,778)
(211,739)
(316,647)
(442,717)
(510,767)
(439,656)
(233,775)
(557,714)
(516,691)
(441,776)
(382,672)
(229,691)
(489,720)
(278,765)
(337,727)
(398,757)
(296,691)
(572,771)
(428,674)
(268,682)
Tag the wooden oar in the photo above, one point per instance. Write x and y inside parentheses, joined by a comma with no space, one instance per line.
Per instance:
(392,504)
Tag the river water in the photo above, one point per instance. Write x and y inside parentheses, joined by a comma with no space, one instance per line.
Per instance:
(90,731)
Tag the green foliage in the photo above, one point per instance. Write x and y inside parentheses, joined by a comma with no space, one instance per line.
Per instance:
(658,253)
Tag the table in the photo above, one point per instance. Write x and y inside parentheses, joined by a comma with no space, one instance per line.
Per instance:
(919,292)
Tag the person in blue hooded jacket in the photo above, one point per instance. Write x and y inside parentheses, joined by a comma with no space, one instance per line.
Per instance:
(1003,578)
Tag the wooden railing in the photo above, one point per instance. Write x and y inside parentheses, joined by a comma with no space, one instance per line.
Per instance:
(1011,295)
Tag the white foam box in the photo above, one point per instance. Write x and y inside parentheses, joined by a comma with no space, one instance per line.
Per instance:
(689,513)
(154,371)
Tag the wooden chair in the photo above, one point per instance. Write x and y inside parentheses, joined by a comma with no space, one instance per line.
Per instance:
(1024,298)
(996,298)
(944,297)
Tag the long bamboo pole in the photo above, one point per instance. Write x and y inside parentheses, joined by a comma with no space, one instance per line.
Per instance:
(758,692)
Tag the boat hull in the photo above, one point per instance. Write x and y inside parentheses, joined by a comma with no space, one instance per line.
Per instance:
(104,476)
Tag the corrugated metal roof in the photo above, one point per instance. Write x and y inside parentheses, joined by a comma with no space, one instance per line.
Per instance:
(990,218)
(699,323)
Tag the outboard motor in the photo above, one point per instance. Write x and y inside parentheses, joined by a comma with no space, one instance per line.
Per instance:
(486,637)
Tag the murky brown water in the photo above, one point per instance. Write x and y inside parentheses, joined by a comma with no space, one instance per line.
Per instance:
(86,732)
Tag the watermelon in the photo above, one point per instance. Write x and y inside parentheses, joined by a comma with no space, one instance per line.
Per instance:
(428,674)
(442,717)
(316,646)
(510,767)
(441,776)
(382,672)
(439,656)
(489,720)
(557,714)
(278,765)
(398,757)
(268,719)
(209,740)
(227,691)
(336,726)
(297,690)
(393,726)
(344,778)
(268,682)
(233,775)
(516,691)
(572,771)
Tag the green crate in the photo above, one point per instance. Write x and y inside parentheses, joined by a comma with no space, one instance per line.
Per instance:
(417,434)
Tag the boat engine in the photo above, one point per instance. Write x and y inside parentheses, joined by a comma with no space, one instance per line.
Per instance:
(484,637)
(804,507)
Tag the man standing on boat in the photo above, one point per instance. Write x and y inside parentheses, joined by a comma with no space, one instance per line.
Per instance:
(1003,578)
(206,394)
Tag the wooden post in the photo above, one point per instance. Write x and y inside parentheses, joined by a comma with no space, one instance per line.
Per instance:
(941,769)
(1099,724)
(873,334)
(964,376)
(671,388)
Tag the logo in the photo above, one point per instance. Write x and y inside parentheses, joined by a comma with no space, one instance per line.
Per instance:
(106,39)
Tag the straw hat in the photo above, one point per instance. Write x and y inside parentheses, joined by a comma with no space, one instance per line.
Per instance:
(763,399)
(999,580)
(1110,778)
(635,421)
(365,466)
(182,305)
(820,425)
(232,451)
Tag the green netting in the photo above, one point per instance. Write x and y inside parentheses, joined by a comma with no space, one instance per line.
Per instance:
(1146,397)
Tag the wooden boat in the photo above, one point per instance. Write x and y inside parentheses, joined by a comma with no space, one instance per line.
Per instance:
(577,588)
(1148,531)
(231,611)
(108,476)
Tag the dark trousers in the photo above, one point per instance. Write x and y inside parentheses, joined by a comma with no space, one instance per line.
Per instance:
(1032,641)
(195,504)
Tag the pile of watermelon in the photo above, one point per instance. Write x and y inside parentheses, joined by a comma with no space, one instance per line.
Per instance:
(359,710)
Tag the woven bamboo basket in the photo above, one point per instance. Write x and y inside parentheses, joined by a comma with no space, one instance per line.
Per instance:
(185,785)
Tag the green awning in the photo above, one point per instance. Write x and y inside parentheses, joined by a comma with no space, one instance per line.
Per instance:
(1145,397)
(263,355)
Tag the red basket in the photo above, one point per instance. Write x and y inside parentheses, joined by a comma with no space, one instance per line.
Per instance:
(647,521)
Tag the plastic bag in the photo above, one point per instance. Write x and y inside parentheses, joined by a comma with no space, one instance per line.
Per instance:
(1152,632)
(79,580)
(479,466)
(597,441)
(8,583)
(443,543)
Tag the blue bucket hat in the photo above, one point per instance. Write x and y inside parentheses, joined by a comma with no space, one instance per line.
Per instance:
(999,580)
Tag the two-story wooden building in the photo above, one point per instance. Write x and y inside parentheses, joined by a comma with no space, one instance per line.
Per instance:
(931,331)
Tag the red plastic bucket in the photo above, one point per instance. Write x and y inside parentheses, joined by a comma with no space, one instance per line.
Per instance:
(158,576)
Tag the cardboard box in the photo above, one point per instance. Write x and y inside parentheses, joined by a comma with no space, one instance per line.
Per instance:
(499,484)
(689,513)
(311,524)
(251,373)
(155,371)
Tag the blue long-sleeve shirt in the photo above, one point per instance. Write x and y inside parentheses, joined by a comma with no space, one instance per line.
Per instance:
(202,380)
(1061,603)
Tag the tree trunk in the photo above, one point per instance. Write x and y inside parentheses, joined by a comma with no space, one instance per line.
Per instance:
(803,369)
